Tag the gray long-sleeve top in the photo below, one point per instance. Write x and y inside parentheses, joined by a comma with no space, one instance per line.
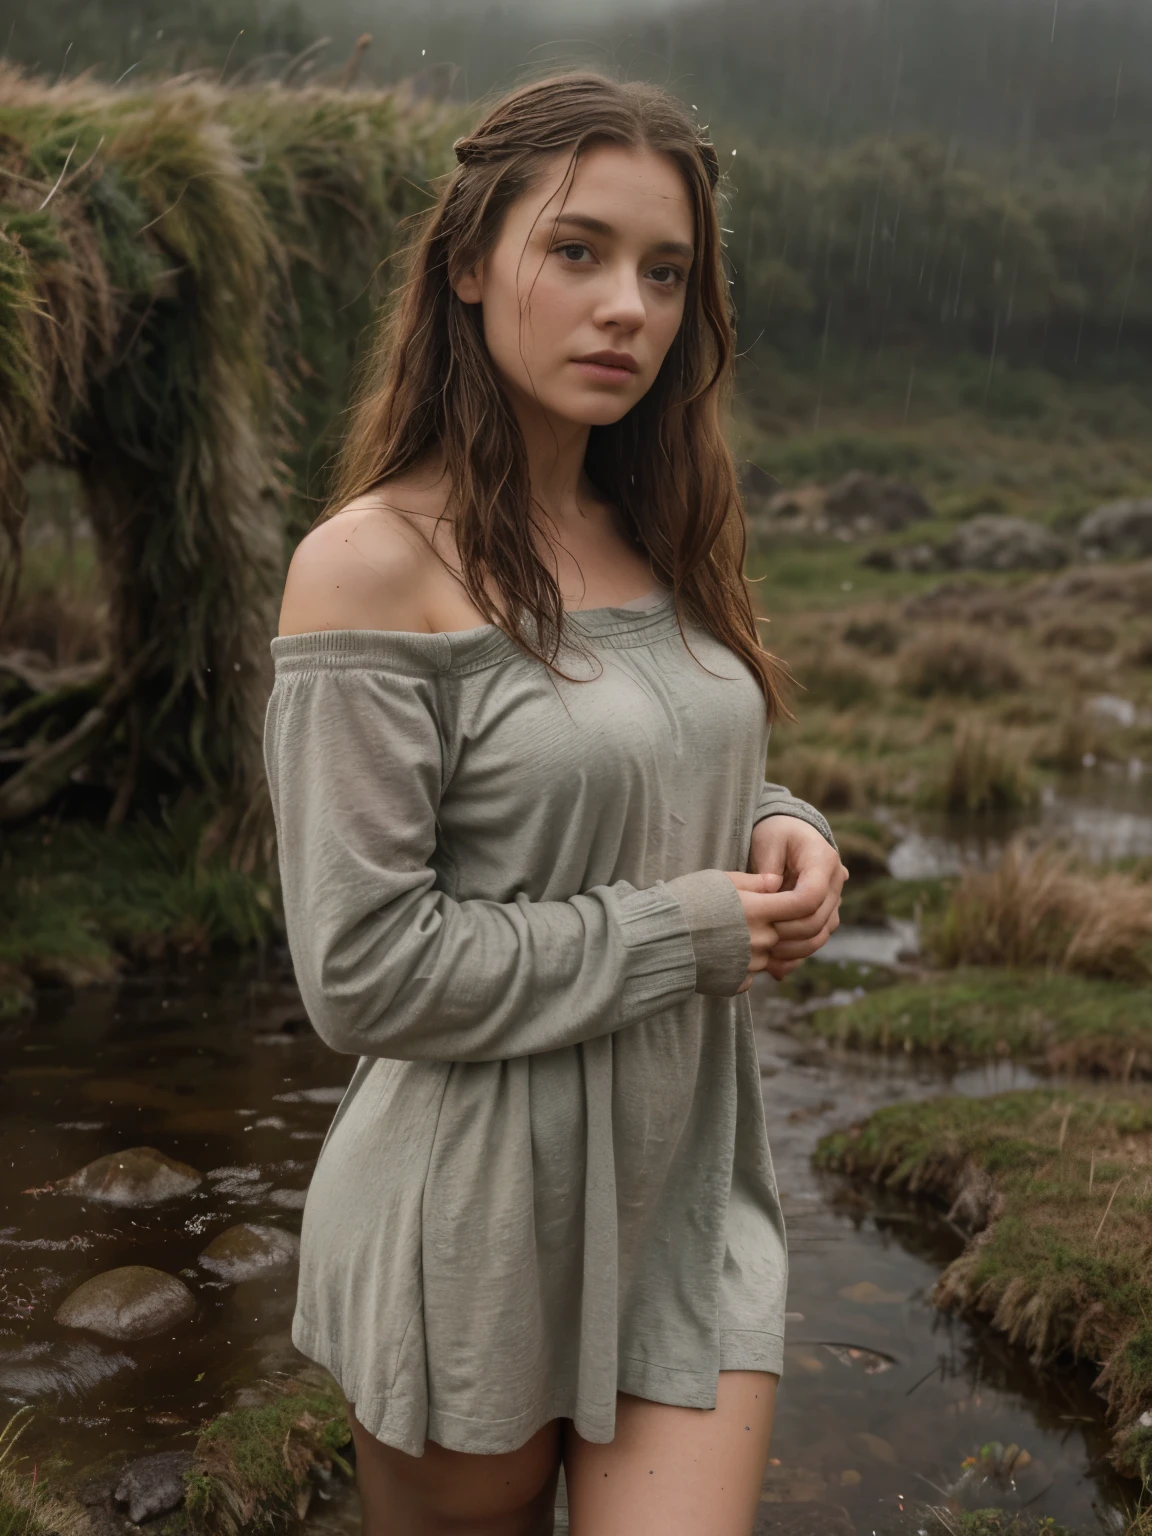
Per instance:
(504,894)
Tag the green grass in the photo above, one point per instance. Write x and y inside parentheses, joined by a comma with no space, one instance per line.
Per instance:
(1054,1184)
(1076,1023)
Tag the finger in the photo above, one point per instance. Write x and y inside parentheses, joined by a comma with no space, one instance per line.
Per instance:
(809,927)
(779,969)
(810,894)
(745,880)
(802,948)
(762,940)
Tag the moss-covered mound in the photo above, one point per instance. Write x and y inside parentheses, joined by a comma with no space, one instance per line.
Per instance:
(1070,1023)
(1056,1189)
(254,1467)
(185,273)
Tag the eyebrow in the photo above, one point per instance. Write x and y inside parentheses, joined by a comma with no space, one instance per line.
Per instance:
(598,227)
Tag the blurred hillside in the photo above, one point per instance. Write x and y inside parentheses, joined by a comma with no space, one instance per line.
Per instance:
(1026,80)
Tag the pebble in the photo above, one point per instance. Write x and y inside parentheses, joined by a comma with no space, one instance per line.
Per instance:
(246,1250)
(133,1302)
(136,1176)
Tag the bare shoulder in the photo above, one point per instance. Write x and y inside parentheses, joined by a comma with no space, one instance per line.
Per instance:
(368,566)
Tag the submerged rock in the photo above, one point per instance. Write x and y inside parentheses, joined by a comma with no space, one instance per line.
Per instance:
(153,1485)
(246,1250)
(58,1368)
(136,1176)
(133,1302)
(990,543)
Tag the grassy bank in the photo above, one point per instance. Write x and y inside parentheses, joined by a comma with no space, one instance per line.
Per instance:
(1053,1187)
(79,905)
(1074,1024)
(255,1467)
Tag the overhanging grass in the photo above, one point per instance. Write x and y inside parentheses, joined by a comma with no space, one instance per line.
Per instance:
(1055,1186)
(1073,1023)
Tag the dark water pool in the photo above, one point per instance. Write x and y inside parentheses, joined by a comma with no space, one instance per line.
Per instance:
(883,1398)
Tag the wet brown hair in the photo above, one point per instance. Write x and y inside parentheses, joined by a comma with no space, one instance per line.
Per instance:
(431,387)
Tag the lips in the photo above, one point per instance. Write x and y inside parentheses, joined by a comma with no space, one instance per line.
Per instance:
(622,360)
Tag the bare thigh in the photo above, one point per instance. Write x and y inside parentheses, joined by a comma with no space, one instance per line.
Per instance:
(450,1493)
(675,1471)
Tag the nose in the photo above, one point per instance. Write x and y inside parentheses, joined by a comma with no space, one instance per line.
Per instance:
(620,302)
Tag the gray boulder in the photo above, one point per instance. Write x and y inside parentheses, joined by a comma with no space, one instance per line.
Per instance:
(136,1176)
(1117,531)
(133,1302)
(152,1485)
(1004,544)
(246,1250)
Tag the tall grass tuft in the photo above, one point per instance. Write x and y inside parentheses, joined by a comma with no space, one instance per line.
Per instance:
(959,664)
(27,1506)
(985,775)
(822,778)
(1034,910)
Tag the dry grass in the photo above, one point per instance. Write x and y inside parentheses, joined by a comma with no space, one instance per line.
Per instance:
(985,774)
(28,1506)
(1034,910)
(959,663)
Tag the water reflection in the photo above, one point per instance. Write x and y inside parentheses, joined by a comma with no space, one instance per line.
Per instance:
(1103,815)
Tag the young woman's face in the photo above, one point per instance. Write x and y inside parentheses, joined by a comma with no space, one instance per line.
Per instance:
(609,277)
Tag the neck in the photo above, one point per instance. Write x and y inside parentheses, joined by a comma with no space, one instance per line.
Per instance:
(556,448)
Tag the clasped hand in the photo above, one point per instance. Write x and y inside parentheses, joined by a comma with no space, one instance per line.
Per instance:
(790,894)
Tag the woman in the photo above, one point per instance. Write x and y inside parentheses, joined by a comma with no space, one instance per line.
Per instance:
(515,745)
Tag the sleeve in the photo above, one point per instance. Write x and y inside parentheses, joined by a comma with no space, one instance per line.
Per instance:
(388,965)
(775,800)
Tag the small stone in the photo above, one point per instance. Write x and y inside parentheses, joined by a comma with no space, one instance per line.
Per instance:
(873,1446)
(153,1485)
(246,1250)
(133,1302)
(136,1176)
(866,1293)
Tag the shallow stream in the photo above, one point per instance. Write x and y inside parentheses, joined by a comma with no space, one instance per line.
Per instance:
(883,1398)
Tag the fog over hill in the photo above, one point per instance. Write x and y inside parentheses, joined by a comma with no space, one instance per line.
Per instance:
(1024,79)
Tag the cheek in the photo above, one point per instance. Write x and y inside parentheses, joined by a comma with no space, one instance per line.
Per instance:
(663,323)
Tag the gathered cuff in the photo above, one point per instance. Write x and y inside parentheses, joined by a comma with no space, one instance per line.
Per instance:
(721,942)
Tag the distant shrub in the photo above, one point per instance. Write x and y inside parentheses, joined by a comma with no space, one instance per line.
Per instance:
(985,775)
(879,637)
(960,664)
(821,778)
(1090,639)
(836,679)
(1035,910)
(828,456)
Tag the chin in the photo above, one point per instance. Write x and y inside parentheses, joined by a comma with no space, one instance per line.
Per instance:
(594,410)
